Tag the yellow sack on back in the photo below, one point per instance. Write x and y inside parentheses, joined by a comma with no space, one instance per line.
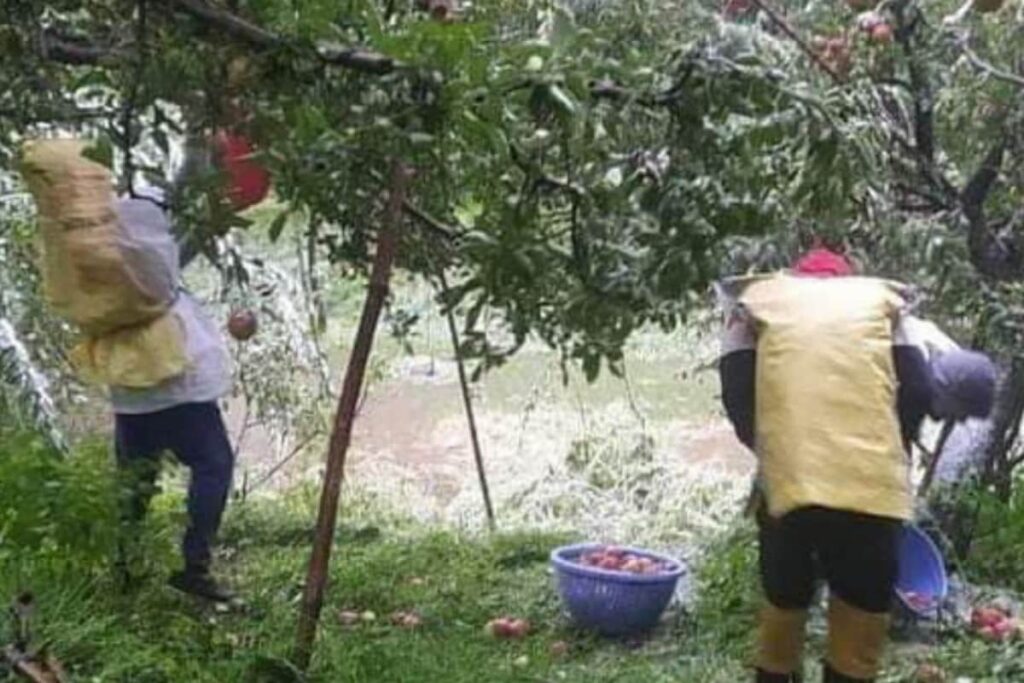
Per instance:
(95,273)
(108,266)
(827,431)
(135,357)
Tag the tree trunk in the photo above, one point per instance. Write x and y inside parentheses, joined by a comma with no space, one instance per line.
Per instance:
(1006,422)
(380,277)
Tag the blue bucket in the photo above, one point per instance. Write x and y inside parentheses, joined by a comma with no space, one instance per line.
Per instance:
(922,572)
(614,603)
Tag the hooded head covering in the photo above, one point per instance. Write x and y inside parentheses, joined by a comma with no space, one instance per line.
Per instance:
(822,262)
(965,384)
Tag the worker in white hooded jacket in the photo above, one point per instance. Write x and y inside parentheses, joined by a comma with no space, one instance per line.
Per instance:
(181,416)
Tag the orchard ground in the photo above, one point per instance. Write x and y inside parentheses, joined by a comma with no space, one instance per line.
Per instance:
(643,459)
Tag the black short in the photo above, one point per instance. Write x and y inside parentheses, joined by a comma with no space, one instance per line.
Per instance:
(856,554)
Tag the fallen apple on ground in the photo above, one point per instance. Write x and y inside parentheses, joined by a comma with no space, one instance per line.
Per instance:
(994,624)
(408,620)
(929,673)
(348,617)
(507,628)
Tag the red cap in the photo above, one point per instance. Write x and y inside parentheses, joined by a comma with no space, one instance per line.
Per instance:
(821,262)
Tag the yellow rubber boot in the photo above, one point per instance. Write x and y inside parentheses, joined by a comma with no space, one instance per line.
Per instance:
(856,640)
(781,640)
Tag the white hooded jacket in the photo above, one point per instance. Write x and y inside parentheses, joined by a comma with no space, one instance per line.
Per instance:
(208,376)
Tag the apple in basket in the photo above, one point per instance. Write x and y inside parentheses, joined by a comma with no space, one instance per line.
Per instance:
(920,601)
(613,558)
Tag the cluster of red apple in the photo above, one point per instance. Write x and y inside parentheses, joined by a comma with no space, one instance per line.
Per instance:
(875,28)
(995,624)
(837,51)
(617,559)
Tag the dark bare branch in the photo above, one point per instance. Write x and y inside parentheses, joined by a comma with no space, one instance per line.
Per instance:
(790,32)
(76,52)
(355,58)
(433,224)
(981,183)
(908,19)
(231,24)
(222,23)
(358,59)
(985,67)
(995,256)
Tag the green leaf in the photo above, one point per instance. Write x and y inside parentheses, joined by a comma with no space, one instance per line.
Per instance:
(421,139)
(563,30)
(563,104)
(277,226)
(237,221)
(591,366)
(468,212)
(101,151)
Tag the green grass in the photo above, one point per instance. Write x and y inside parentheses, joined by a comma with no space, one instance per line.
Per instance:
(384,563)
(455,583)
(56,540)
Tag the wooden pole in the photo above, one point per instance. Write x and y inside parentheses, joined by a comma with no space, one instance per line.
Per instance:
(341,435)
(31,670)
(467,402)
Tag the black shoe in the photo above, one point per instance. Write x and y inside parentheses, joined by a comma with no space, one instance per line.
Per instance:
(200,584)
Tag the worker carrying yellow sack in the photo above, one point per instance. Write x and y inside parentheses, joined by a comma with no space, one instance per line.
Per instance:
(109,266)
(822,380)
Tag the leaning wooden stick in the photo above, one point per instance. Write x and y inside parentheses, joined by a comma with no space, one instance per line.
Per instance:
(468,403)
(30,669)
(933,465)
(380,279)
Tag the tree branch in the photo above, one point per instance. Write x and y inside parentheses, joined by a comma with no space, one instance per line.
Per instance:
(983,66)
(541,180)
(354,58)
(924,126)
(433,224)
(980,185)
(993,256)
(73,51)
(231,24)
(795,37)
(76,52)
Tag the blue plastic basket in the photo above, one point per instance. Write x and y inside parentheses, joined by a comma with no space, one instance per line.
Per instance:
(609,602)
(921,570)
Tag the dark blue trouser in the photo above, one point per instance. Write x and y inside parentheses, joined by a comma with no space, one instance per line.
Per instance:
(195,434)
